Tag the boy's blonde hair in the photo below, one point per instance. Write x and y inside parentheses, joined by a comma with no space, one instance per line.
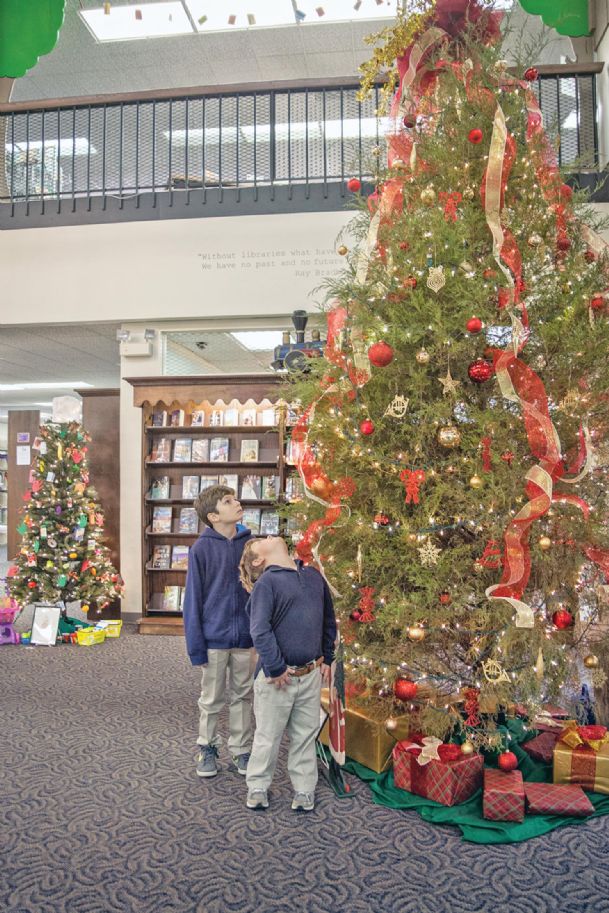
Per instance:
(248,571)
(207,501)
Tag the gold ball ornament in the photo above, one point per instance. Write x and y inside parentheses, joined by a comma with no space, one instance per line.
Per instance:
(475,482)
(469,193)
(342,250)
(545,543)
(428,196)
(591,661)
(415,633)
(412,537)
(422,357)
(467,748)
(449,436)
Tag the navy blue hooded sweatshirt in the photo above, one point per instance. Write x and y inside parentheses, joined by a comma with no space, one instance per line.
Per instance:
(292,618)
(214,602)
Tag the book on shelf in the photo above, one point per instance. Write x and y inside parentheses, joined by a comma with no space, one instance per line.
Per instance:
(161,557)
(231,481)
(179,557)
(216,418)
(161,519)
(218,450)
(200,450)
(268,417)
(293,529)
(188,521)
(250,488)
(251,519)
(208,481)
(198,417)
(171,599)
(190,487)
(182,450)
(289,453)
(249,450)
(161,451)
(269,489)
(293,412)
(159,419)
(159,488)
(247,417)
(269,523)
(177,418)
(231,417)
(294,488)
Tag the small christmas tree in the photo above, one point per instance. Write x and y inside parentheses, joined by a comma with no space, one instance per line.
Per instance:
(447,442)
(62,556)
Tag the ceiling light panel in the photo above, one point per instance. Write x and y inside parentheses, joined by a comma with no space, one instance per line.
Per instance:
(158,20)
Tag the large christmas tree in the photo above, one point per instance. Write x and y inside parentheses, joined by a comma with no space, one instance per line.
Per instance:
(447,441)
(62,556)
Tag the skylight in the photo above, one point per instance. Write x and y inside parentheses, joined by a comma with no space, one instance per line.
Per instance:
(138,20)
(212,16)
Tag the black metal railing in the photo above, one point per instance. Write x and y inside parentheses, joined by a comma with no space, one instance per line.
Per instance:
(190,144)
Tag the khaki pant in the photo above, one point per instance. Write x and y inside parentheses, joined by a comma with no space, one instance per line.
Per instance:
(294,708)
(240,666)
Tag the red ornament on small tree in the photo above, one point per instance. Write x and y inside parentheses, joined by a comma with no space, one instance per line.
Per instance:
(531,74)
(367,426)
(562,619)
(354,185)
(404,689)
(597,302)
(380,354)
(480,371)
(507,761)
(475,136)
(474,325)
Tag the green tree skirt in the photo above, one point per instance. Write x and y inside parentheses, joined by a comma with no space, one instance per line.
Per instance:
(468,816)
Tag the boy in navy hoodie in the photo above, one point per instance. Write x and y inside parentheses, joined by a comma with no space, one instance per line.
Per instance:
(217,628)
(293,627)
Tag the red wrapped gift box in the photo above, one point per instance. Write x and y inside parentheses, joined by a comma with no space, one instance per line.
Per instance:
(541,748)
(557,799)
(503,798)
(451,779)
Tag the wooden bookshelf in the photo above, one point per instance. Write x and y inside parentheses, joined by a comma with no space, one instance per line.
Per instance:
(158,395)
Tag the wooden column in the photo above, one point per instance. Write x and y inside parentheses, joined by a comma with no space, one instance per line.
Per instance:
(101,419)
(19,423)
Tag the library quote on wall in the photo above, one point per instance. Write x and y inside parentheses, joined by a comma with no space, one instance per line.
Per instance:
(298,262)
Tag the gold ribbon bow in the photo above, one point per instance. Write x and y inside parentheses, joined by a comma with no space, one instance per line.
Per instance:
(573,738)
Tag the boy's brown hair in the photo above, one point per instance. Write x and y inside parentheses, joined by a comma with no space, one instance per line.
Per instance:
(207,501)
(248,572)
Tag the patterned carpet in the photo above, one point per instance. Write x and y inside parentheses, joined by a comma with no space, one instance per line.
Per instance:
(102,813)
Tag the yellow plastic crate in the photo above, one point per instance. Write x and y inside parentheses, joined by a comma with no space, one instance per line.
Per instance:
(112,627)
(86,637)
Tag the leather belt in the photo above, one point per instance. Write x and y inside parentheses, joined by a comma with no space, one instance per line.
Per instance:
(298,671)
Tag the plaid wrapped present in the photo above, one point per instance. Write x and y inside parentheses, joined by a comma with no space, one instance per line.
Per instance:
(435,771)
(557,799)
(541,748)
(503,798)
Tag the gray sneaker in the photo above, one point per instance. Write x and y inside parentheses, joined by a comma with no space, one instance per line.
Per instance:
(240,762)
(257,798)
(207,765)
(303,802)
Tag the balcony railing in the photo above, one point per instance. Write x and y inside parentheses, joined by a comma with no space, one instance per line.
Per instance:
(121,149)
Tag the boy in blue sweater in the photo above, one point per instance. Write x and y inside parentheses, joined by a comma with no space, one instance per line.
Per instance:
(217,628)
(293,628)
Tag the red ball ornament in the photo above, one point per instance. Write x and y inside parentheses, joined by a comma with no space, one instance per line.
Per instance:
(32,584)
(404,689)
(355,615)
(354,185)
(409,282)
(563,242)
(475,136)
(589,256)
(380,354)
(597,302)
(531,74)
(409,122)
(367,426)
(445,598)
(480,370)
(507,761)
(474,325)
(562,619)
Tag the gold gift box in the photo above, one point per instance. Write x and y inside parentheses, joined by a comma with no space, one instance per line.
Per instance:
(582,767)
(366,739)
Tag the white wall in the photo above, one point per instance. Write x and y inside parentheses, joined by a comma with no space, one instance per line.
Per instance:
(601,41)
(179,268)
